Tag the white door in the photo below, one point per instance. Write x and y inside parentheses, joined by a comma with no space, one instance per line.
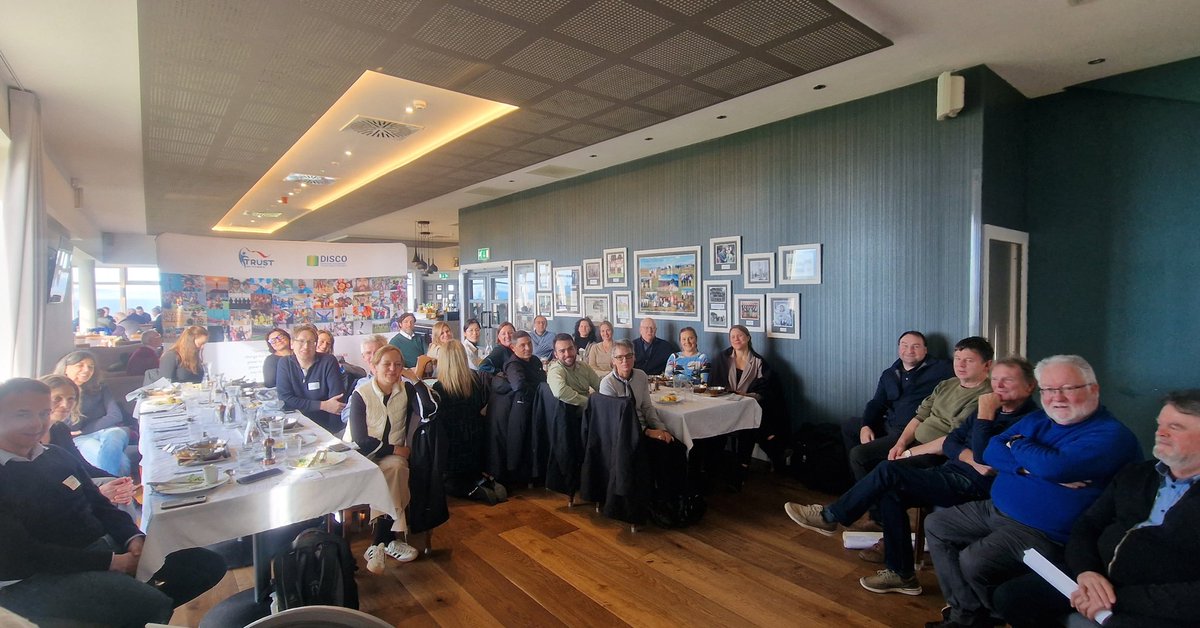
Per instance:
(1005,289)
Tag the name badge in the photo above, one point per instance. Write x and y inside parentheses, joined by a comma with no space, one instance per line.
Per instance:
(71,482)
(314,385)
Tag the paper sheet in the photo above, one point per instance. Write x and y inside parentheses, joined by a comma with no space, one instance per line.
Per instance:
(1057,579)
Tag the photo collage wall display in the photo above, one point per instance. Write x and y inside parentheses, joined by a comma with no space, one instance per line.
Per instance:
(234,308)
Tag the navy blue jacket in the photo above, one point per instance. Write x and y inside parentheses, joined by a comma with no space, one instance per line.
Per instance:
(305,393)
(901,392)
(974,434)
(652,358)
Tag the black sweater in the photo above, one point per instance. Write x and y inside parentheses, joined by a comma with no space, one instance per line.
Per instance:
(1155,572)
(49,513)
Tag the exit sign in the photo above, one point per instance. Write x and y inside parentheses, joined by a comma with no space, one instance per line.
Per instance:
(443,275)
(484,254)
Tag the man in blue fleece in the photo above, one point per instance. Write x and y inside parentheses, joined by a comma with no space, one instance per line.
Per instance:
(1050,466)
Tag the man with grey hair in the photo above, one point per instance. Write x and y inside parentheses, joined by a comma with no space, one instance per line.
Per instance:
(543,341)
(368,348)
(1151,511)
(1050,467)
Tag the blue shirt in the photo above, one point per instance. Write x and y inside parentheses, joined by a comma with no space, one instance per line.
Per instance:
(543,345)
(1169,493)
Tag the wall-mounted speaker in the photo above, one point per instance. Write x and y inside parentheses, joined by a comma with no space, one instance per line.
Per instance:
(950,91)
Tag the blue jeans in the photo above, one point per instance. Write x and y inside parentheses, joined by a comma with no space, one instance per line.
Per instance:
(109,598)
(106,449)
(894,487)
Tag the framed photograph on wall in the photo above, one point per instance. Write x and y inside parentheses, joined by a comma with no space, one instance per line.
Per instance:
(524,293)
(718,301)
(760,270)
(748,311)
(597,306)
(725,255)
(622,309)
(544,277)
(593,278)
(666,283)
(783,315)
(545,304)
(615,268)
(800,264)
(566,290)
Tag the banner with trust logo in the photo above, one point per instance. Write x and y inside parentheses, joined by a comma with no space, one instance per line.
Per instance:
(234,257)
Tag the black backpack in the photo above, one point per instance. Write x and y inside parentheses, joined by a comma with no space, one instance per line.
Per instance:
(317,569)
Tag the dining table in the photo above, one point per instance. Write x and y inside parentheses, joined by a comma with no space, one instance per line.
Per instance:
(230,509)
(693,416)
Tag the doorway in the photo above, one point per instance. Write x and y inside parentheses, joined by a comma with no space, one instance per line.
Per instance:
(487,300)
(1005,289)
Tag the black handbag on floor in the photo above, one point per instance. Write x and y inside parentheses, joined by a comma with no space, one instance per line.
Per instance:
(318,569)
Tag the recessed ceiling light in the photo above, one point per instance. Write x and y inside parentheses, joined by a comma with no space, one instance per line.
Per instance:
(649,138)
(291,193)
(1097,61)
(408,109)
(722,117)
(349,154)
(819,86)
(303,185)
(592,156)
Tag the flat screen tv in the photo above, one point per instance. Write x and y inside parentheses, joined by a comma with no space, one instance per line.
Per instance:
(60,274)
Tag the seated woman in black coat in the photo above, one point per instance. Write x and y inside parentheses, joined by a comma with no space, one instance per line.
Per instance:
(741,369)
(462,406)
(184,361)
(279,341)
(494,362)
(97,426)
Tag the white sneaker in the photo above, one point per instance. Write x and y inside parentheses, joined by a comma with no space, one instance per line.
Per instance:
(374,556)
(401,551)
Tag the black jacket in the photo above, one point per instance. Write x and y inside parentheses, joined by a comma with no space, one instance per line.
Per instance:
(652,358)
(1155,572)
(899,393)
(616,470)
(427,507)
(465,427)
(775,419)
(561,423)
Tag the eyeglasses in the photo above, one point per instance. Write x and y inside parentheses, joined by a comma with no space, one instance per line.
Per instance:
(1066,390)
(274,339)
(623,356)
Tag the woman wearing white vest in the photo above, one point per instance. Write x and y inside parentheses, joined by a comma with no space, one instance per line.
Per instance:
(379,426)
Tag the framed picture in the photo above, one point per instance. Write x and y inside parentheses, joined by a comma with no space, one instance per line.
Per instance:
(544,277)
(760,270)
(615,268)
(592,277)
(597,306)
(524,293)
(566,290)
(748,310)
(622,309)
(667,280)
(545,304)
(783,315)
(725,255)
(718,300)
(800,264)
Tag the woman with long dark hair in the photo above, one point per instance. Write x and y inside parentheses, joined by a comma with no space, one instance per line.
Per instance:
(96,428)
(585,333)
(184,361)
(743,371)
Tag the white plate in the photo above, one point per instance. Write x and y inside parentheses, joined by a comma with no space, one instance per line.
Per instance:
(306,439)
(305,462)
(664,400)
(180,486)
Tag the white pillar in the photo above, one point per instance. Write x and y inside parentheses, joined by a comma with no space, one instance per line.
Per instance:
(86,266)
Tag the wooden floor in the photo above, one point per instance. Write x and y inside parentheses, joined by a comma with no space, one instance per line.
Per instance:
(534,562)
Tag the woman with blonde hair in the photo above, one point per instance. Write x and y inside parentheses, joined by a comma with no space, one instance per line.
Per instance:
(463,402)
(442,335)
(599,356)
(184,361)
(96,424)
(64,410)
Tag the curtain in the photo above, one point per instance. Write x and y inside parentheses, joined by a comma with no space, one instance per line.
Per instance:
(23,280)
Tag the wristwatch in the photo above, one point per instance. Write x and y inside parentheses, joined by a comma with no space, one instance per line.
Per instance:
(907,454)
(1012,439)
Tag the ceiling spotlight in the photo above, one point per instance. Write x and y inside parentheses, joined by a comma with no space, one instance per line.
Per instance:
(1097,61)
(819,86)
(291,193)
(649,138)
(722,117)
(419,104)
(592,156)
(408,109)
(348,153)
(303,185)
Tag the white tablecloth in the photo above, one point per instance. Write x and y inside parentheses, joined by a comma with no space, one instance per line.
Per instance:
(701,416)
(234,510)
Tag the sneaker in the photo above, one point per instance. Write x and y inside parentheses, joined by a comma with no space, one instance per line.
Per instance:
(374,556)
(401,551)
(888,581)
(809,516)
(873,554)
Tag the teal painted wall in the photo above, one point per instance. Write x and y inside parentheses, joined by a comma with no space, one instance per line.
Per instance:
(879,182)
(1114,214)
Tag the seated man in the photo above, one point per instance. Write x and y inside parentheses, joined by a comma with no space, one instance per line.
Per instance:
(570,381)
(1050,466)
(896,486)
(311,382)
(408,341)
(951,402)
(543,341)
(66,554)
(1150,511)
(901,389)
(652,352)
(367,349)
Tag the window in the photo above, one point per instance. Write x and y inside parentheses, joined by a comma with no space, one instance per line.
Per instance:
(122,288)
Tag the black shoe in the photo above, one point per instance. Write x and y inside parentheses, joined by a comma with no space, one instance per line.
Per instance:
(948,623)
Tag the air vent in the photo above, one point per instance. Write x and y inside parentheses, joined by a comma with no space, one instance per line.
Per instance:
(382,129)
(254,214)
(557,172)
(310,179)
